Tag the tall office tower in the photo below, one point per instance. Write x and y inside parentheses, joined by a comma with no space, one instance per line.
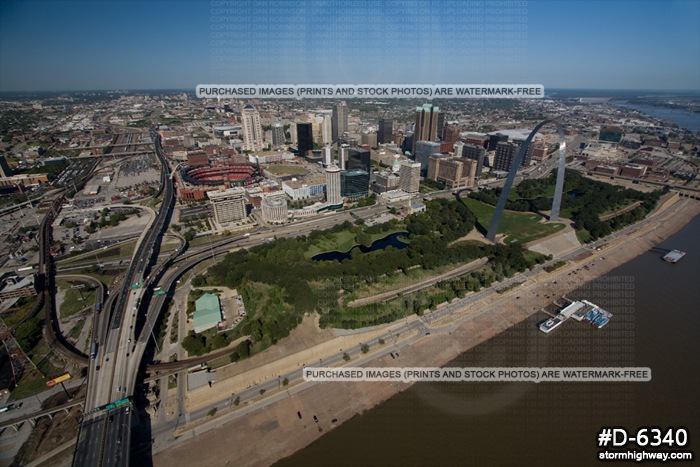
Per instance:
(495,139)
(358,159)
(434,165)
(5,170)
(326,130)
(343,155)
(451,132)
(441,126)
(333,186)
(458,149)
(354,183)
(426,128)
(396,164)
(277,134)
(293,134)
(476,153)
(409,176)
(369,139)
(407,144)
(317,129)
(305,138)
(339,120)
(327,153)
(229,205)
(385,131)
(252,130)
(425,149)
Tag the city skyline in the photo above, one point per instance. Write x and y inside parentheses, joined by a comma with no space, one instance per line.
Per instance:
(64,46)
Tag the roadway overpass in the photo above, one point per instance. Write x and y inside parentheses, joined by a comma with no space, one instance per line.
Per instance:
(104,437)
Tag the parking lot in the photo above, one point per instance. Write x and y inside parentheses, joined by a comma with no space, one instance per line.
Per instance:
(137,171)
(78,169)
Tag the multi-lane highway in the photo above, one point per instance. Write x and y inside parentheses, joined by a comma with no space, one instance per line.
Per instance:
(125,325)
(415,329)
(105,432)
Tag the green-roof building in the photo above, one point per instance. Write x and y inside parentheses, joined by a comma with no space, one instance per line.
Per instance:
(208,312)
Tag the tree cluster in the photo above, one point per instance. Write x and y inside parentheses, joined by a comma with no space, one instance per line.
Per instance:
(584,198)
(284,267)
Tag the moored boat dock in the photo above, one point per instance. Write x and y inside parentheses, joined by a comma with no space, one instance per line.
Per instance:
(579,310)
(673,256)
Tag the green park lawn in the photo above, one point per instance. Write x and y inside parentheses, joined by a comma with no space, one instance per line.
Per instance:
(286,169)
(521,227)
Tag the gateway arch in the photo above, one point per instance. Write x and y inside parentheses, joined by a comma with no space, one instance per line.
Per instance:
(556,204)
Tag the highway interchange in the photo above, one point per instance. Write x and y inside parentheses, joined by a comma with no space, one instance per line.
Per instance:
(126,324)
(104,437)
(113,373)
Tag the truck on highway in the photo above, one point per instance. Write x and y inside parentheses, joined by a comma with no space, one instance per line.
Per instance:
(93,351)
(98,307)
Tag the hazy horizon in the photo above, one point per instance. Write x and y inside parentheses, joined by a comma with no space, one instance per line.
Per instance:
(88,46)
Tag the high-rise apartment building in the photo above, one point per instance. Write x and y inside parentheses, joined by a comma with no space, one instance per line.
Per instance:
(527,160)
(506,154)
(476,153)
(409,176)
(252,129)
(229,205)
(333,196)
(278,135)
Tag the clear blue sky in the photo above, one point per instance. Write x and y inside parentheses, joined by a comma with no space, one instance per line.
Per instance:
(130,44)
